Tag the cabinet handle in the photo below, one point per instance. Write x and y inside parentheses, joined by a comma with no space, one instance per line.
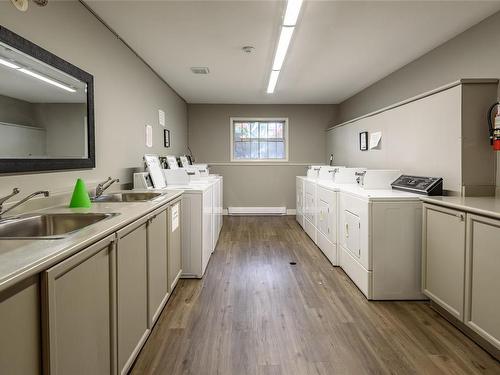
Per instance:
(461,217)
(346,230)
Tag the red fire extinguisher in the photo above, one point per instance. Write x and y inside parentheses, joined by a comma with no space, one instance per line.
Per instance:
(494,128)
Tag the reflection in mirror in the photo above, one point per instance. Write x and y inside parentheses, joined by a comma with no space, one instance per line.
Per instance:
(43,111)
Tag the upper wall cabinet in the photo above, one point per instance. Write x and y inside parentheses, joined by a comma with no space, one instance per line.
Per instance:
(46,109)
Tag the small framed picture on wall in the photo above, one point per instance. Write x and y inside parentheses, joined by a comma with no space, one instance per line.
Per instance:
(363,141)
(166,138)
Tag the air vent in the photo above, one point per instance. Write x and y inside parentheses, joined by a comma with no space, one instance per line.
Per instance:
(200,70)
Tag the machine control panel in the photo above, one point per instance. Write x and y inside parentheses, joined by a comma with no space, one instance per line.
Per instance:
(419,185)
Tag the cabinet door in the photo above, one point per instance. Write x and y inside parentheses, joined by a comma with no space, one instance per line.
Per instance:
(482,312)
(443,256)
(79,312)
(158,290)
(174,246)
(20,349)
(132,292)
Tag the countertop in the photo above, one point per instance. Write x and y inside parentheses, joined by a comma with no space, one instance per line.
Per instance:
(20,259)
(486,206)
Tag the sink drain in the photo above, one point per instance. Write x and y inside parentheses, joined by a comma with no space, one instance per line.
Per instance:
(293,263)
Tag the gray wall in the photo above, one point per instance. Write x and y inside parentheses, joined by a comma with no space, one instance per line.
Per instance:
(66,128)
(127,93)
(472,54)
(15,111)
(247,184)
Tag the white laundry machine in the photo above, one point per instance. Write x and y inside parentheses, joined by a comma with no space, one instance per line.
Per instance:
(380,238)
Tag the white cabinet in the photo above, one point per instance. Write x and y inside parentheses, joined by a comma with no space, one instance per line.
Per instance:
(443,257)
(157,245)
(482,296)
(20,338)
(79,312)
(132,292)
(461,263)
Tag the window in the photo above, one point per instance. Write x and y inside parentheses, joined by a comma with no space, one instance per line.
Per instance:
(259,139)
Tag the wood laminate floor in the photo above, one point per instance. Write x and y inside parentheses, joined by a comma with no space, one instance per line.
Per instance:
(254,313)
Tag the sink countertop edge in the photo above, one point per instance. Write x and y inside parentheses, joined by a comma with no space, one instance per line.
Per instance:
(12,267)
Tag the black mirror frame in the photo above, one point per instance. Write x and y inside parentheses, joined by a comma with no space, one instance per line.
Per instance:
(31,165)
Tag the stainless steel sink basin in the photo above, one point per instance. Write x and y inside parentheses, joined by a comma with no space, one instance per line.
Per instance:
(127,197)
(48,226)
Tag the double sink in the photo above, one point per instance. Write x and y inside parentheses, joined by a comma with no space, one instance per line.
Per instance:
(52,226)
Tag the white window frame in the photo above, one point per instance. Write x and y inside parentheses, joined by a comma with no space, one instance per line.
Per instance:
(250,119)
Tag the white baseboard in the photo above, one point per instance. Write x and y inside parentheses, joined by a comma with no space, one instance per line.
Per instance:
(292,211)
(257,210)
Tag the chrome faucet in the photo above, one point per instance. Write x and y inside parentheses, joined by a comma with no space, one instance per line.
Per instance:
(14,192)
(101,187)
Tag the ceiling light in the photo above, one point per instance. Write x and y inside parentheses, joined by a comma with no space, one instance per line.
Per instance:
(283,43)
(273,79)
(46,79)
(9,64)
(292,12)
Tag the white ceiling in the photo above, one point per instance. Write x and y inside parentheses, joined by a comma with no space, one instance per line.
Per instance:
(338,49)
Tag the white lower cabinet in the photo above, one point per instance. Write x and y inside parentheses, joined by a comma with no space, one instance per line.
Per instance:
(132,292)
(157,245)
(461,263)
(20,337)
(92,312)
(443,254)
(482,296)
(78,312)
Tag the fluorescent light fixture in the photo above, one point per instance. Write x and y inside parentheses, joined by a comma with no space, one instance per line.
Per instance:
(46,79)
(273,79)
(292,12)
(9,64)
(289,21)
(283,43)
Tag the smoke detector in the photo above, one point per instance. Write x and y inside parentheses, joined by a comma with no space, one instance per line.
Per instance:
(248,49)
(200,70)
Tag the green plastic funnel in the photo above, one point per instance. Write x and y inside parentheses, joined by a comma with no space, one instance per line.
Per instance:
(80,197)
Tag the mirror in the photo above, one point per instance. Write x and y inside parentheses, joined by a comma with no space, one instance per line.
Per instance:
(46,109)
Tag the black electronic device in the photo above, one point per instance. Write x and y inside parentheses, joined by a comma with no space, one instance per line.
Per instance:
(419,185)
